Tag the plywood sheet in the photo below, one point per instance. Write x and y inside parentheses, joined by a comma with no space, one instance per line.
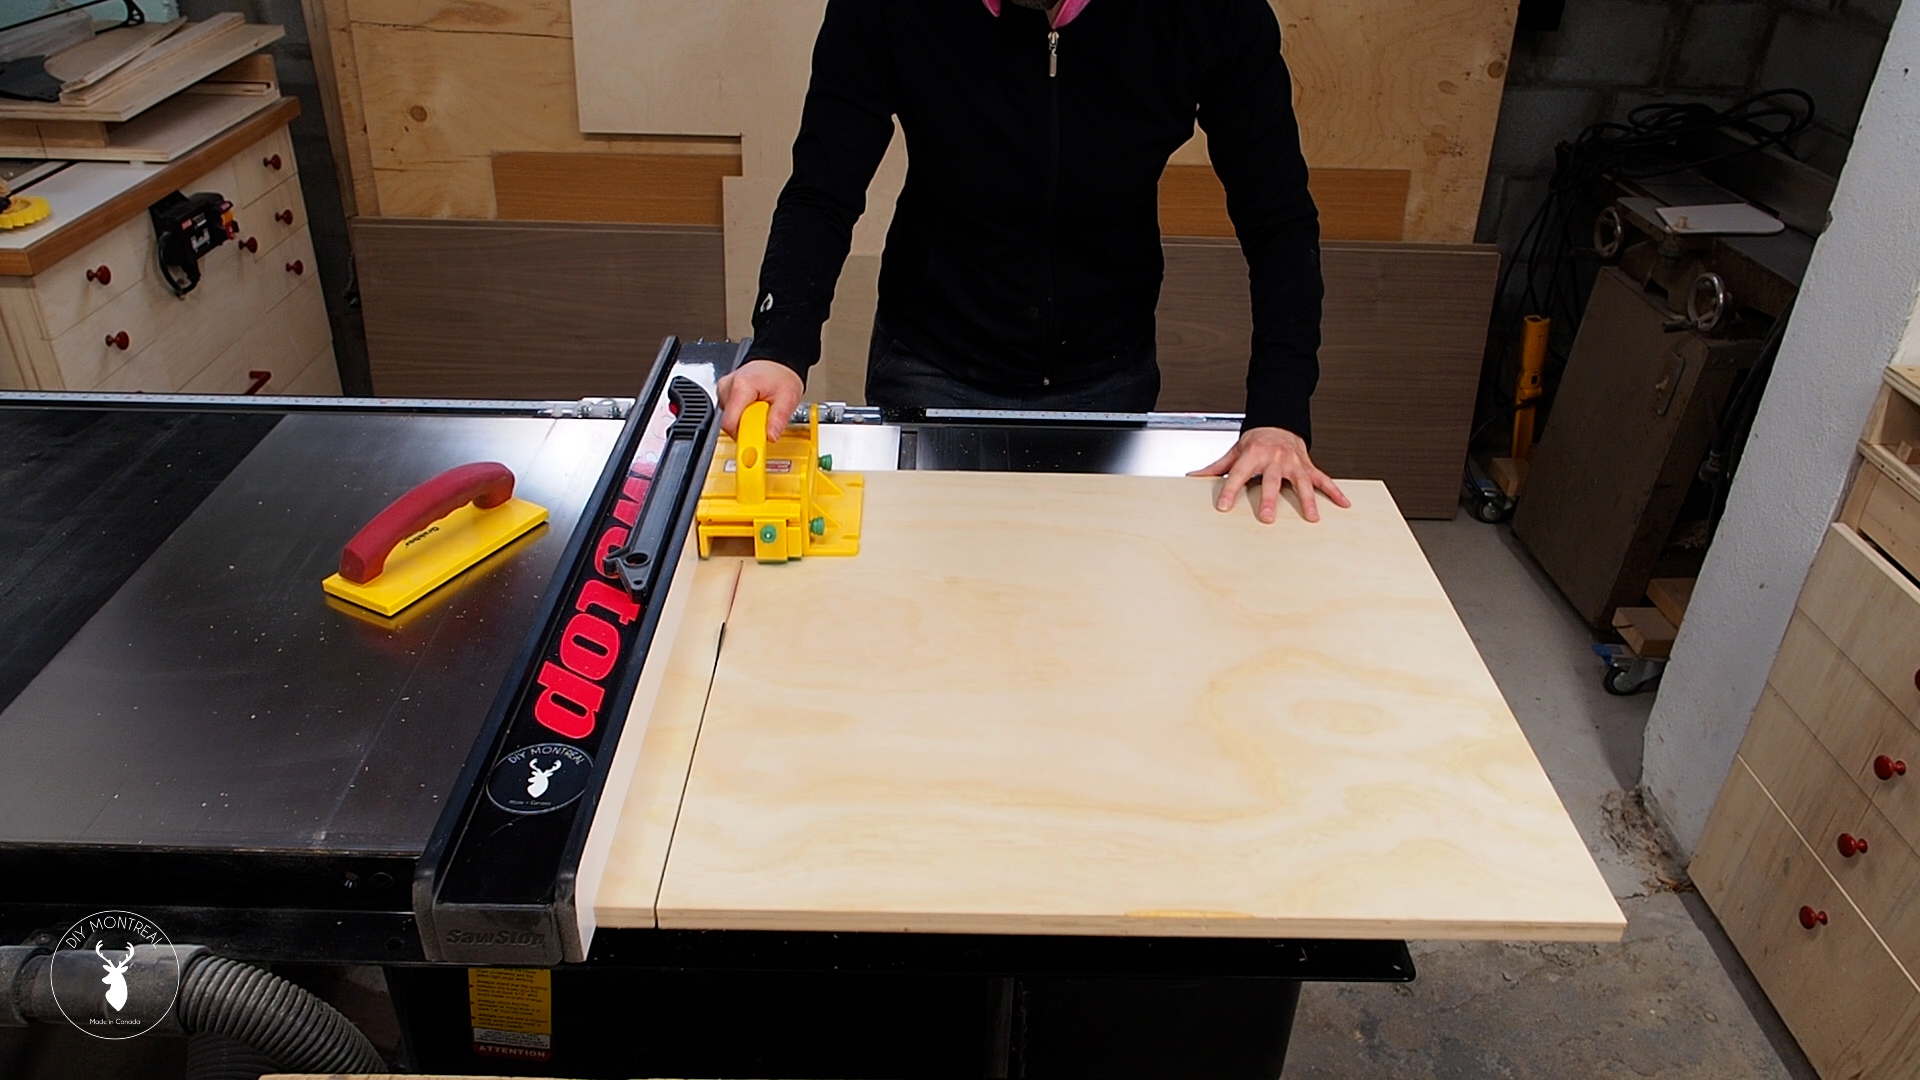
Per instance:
(647,818)
(1354,204)
(1068,704)
(647,189)
(1404,329)
(530,309)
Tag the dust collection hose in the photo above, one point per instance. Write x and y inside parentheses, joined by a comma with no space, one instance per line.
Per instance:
(240,1020)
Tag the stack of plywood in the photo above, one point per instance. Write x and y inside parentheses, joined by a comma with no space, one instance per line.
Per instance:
(146,93)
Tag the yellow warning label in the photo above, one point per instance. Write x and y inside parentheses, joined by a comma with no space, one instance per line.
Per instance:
(512,1011)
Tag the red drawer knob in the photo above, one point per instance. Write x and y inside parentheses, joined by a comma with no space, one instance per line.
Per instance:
(1851,845)
(271,162)
(102,274)
(251,245)
(284,217)
(1810,918)
(1887,768)
(1916,679)
(296,268)
(119,341)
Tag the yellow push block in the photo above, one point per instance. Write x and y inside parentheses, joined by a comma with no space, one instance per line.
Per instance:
(783,497)
(438,554)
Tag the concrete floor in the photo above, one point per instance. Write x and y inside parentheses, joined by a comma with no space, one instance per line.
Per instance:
(1673,1000)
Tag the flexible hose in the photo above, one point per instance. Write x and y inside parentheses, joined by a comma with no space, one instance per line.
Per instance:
(298,1031)
(216,1057)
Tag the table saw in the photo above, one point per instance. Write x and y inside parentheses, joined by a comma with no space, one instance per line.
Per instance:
(1061,752)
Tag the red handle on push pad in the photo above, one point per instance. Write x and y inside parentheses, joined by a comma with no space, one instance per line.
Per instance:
(485,484)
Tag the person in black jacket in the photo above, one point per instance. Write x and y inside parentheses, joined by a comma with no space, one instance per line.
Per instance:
(1023,264)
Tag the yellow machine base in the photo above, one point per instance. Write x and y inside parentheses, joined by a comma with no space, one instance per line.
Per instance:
(437,554)
(783,496)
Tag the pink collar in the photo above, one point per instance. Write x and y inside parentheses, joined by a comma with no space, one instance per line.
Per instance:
(1068,10)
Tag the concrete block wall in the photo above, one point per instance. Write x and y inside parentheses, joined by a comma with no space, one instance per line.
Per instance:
(1610,56)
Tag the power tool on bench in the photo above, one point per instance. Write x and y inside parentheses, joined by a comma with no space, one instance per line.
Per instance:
(187,227)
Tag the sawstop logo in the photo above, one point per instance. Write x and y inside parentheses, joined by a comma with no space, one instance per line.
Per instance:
(572,680)
(115,975)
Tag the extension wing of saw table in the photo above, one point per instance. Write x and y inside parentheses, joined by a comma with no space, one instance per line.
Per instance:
(1071,704)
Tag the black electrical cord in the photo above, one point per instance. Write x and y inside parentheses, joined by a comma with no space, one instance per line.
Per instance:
(1656,140)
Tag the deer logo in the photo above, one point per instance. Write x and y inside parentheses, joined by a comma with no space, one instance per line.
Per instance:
(537,783)
(116,978)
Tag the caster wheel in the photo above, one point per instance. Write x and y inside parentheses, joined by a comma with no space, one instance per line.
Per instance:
(1489,511)
(1619,682)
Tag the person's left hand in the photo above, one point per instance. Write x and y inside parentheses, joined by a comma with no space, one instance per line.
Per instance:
(1276,457)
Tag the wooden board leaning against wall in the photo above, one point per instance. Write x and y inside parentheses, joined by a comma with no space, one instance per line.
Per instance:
(480,111)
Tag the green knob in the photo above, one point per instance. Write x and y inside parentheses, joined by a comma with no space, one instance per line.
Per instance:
(818,525)
(826,462)
(769,533)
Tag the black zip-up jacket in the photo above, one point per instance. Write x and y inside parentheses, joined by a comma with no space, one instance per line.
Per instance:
(1026,242)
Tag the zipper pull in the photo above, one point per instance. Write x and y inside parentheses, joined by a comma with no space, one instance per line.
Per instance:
(1053,54)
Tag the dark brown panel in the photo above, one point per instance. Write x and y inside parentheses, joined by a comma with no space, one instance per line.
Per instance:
(1404,329)
(501,309)
(1630,424)
(657,189)
(1355,204)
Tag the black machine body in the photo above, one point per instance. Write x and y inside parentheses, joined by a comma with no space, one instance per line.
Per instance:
(186,228)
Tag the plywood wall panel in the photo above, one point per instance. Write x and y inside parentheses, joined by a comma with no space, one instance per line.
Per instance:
(530,310)
(652,189)
(1354,204)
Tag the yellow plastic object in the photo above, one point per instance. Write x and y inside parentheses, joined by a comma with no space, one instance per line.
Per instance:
(783,497)
(437,554)
(25,210)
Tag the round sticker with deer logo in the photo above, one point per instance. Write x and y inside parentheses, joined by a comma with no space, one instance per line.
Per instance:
(115,975)
(539,778)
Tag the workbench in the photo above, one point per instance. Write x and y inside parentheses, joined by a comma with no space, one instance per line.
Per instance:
(1064,773)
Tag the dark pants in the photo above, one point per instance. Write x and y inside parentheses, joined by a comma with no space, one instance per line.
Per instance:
(899,378)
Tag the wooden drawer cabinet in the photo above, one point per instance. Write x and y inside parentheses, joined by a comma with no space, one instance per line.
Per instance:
(1852,1007)
(1818,808)
(127,331)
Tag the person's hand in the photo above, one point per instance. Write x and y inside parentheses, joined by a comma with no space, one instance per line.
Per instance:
(1276,456)
(760,380)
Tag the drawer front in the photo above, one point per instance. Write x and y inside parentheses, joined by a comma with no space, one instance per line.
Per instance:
(89,279)
(273,217)
(278,344)
(1809,787)
(261,167)
(1870,611)
(1897,793)
(1844,710)
(1882,511)
(247,175)
(1852,1008)
(170,339)
(320,377)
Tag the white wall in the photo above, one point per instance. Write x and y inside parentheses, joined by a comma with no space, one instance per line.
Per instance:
(1855,308)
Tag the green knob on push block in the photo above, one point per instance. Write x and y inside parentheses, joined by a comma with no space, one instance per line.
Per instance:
(818,526)
(826,462)
(769,533)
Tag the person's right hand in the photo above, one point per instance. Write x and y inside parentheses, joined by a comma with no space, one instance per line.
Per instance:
(760,380)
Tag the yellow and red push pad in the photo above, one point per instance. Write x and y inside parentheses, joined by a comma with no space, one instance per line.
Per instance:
(428,536)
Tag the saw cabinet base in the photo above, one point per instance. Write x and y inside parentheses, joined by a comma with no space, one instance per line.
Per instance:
(103,317)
